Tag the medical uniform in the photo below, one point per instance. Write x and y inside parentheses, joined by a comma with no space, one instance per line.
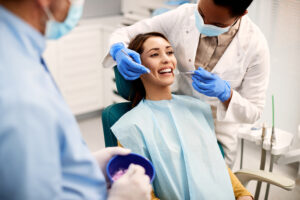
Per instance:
(42,153)
(244,64)
(177,135)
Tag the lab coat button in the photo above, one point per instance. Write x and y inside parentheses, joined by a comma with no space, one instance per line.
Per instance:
(187,32)
(190,60)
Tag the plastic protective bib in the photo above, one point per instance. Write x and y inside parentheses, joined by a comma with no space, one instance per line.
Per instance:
(178,137)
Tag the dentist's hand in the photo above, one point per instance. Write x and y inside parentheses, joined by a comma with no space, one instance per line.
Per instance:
(104,155)
(128,65)
(133,185)
(211,85)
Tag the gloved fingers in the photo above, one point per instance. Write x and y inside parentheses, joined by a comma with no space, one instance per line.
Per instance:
(147,179)
(201,79)
(203,73)
(203,85)
(130,170)
(198,79)
(206,84)
(140,174)
(131,74)
(202,91)
(123,71)
(133,66)
(128,75)
(117,151)
(116,48)
(140,68)
(135,170)
(139,169)
(135,56)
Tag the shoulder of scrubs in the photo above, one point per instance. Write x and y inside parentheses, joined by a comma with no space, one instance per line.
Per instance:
(165,23)
(248,100)
(42,153)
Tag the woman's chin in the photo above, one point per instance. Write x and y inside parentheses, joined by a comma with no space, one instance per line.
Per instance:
(167,83)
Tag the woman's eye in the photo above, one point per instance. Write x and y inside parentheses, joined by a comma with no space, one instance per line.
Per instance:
(154,54)
(170,52)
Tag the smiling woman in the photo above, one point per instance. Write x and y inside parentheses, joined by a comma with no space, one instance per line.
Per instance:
(157,55)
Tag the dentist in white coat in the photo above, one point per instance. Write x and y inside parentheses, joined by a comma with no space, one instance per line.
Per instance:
(227,52)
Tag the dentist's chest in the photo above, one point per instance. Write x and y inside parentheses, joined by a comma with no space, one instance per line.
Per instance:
(230,66)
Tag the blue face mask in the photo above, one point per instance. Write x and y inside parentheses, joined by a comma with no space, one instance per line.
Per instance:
(207,29)
(55,30)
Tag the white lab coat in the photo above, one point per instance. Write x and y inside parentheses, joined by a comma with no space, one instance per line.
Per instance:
(245,64)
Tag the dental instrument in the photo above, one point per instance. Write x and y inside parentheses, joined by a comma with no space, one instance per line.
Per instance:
(185,73)
(126,54)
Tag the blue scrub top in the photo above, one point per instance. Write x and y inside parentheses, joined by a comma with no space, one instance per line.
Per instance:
(42,153)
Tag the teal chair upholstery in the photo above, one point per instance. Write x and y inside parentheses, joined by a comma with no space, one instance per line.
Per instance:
(110,115)
(113,113)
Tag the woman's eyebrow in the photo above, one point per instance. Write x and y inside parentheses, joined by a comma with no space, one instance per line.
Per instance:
(153,49)
(168,47)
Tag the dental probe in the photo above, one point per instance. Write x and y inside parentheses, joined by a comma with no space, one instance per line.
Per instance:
(186,73)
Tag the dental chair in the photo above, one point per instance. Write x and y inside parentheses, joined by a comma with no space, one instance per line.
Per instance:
(114,112)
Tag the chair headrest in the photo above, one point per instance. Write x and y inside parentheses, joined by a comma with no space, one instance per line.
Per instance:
(124,87)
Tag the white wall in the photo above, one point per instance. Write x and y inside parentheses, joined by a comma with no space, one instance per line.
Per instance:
(99,8)
(280,22)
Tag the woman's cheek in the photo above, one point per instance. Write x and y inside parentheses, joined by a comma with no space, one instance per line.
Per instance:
(150,66)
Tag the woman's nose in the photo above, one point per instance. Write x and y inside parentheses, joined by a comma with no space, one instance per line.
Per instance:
(165,59)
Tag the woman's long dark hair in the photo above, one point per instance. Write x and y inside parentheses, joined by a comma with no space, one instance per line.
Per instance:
(136,44)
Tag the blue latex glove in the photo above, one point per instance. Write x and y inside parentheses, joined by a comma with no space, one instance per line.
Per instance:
(128,65)
(211,85)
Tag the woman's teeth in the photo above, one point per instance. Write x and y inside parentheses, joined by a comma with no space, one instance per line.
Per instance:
(165,71)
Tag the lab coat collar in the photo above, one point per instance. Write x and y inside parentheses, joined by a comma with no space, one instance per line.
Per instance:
(32,41)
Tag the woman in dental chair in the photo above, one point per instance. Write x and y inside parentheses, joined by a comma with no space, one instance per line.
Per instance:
(175,132)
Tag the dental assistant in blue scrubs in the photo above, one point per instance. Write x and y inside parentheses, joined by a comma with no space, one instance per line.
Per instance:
(42,153)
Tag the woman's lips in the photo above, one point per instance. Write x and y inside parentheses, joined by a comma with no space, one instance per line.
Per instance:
(168,70)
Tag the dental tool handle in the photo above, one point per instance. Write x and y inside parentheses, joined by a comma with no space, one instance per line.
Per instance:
(262,161)
(126,54)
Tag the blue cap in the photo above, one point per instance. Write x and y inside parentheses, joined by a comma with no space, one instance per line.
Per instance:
(119,162)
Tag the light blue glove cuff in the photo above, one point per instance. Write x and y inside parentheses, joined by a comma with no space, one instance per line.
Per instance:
(226,94)
(115,48)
